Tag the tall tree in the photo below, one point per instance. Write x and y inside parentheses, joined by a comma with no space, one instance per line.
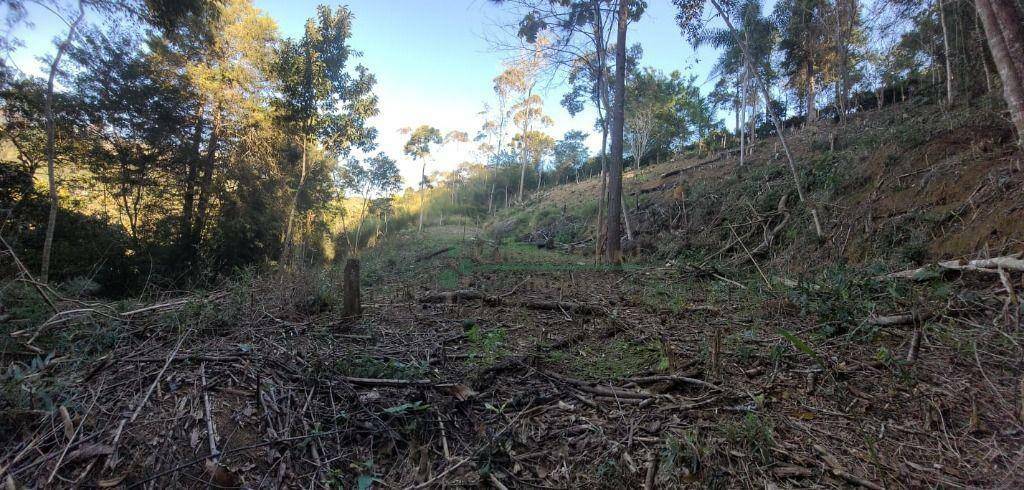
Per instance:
(804,46)
(421,142)
(322,97)
(520,78)
(1004,30)
(374,178)
(51,126)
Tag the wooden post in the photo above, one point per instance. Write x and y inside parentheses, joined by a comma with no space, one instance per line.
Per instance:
(351,306)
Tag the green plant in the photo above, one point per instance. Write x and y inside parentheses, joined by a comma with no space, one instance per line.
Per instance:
(753,434)
(486,345)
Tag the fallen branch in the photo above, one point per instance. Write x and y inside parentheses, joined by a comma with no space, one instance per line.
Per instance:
(833,465)
(900,319)
(1008,262)
(431,255)
(597,389)
(452,297)
(673,379)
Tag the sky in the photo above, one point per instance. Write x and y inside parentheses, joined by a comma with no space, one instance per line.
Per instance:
(433,60)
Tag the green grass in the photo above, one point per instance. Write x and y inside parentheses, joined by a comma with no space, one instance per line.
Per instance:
(616,359)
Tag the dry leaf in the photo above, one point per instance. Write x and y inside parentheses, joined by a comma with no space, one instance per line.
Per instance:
(111,482)
(461,392)
(69,426)
(221,476)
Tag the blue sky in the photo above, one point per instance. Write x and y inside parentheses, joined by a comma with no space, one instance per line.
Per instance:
(433,62)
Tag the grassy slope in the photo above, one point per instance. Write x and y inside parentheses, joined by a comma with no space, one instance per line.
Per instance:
(900,186)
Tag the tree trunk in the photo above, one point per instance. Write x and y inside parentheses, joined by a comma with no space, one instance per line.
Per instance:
(745,84)
(1011,21)
(613,246)
(999,35)
(940,5)
(51,136)
(295,199)
(812,109)
(206,185)
(191,172)
(351,304)
(423,189)
(602,100)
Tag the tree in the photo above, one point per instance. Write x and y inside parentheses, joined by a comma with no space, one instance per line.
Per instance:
(567,22)
(321,98)
(1004,30)
(419,146)
(689,12)
(533,147)
(491,137)
(651,116)
(520,80)
(759,35)
(570,155)
(375,177)
(803,44)
(51,177)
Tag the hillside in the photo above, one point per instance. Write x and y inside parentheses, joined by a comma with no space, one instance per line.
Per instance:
(899,187)
(497,363)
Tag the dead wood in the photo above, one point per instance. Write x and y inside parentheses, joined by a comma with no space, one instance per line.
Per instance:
(900,319)
(351,304)
(451,297)
(598,389)
(431,255)
(1008,262)
(642,380)
(831,463)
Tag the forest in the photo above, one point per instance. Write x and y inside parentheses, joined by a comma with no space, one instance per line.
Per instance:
(678,243)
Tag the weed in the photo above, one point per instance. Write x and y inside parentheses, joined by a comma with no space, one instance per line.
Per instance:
(369,367)
(753,434)
(487,346)
(618,359)
(681,459)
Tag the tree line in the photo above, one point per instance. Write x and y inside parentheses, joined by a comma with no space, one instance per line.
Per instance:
(187,138)
(797,63)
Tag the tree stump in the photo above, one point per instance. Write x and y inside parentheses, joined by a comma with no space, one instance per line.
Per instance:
(351,305)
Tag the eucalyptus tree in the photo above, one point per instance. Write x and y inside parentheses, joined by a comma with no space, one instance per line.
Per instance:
(520,79)
(420,145)
(575,28)
(804,46)
(690,21)
(534,146)
(491,136)
(371,179)
(570,155)
(1004,31)
(322,97)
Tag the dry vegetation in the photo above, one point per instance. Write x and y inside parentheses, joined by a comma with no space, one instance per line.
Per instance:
(725,354)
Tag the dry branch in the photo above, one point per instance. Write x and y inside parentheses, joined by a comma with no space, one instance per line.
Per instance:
(1008,262)
(459,296)
(900,319)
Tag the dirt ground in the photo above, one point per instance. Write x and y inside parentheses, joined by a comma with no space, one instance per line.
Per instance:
(541,370)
